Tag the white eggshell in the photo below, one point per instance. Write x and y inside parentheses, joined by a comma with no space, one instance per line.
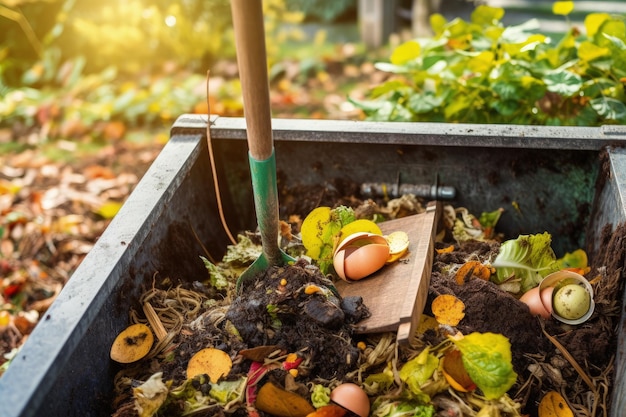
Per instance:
(351,397)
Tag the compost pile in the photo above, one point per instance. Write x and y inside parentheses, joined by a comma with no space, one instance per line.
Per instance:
(291,337)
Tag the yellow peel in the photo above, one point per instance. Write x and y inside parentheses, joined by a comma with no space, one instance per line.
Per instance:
(213,362)
(132,344)
(360,225)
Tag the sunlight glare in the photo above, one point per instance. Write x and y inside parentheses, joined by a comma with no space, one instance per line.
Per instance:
(170,21)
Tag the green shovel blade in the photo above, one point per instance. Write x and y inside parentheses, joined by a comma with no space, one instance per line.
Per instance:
(265,192)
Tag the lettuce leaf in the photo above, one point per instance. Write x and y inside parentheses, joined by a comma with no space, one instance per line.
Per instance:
(528,258)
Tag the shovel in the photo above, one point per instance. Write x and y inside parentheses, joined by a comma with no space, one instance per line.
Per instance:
(251,58)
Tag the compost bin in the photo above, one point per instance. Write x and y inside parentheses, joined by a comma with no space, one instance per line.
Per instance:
(566,180)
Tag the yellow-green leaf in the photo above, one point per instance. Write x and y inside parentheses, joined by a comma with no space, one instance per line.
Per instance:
(109,209)
(406,52)
(562,8)
(593,21)
(482,62)
(437,23)
(487,15)
(588,51)
(487,360)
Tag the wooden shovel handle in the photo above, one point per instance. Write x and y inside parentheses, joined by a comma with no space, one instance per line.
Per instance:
(251,58)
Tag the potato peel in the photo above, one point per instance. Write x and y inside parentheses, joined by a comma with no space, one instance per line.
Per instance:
(213,362)
(132,344)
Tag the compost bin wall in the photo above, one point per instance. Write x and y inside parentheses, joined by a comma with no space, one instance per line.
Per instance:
(559,180)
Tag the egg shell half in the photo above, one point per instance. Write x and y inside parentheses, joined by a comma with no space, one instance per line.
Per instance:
(359,255)
(539,304)
(351,397)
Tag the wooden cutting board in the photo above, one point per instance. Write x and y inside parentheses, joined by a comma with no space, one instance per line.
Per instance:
(396,294)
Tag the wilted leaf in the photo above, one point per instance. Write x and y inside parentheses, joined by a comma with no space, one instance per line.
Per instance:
(150,395)
(448,309)
(472,269)
(455,373)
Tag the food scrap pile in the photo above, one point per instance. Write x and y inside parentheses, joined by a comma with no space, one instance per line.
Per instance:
(287,344)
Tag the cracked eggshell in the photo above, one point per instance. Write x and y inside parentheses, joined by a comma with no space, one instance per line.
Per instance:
(539,301)
(359,255)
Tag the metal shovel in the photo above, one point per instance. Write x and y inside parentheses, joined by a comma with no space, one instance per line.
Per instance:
(251,58)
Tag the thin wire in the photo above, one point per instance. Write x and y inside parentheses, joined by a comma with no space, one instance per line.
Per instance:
(213,169)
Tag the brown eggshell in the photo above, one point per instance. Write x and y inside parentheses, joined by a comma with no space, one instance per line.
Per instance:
(365,260)
(351,397)
(359,255)
(533,300)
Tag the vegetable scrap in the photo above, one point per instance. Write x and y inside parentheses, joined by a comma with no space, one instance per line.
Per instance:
(289,347)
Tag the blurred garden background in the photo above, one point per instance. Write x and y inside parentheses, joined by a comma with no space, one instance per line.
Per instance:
(90,88)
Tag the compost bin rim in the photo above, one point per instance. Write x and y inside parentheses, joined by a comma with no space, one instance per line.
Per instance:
(414,133)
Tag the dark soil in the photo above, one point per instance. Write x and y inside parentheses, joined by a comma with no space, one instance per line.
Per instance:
(319,324)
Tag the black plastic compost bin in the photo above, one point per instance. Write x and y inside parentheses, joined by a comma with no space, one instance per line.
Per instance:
(569,181)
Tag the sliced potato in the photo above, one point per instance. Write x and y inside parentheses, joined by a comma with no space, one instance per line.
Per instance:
(213,362)
(398,242)
(132,344)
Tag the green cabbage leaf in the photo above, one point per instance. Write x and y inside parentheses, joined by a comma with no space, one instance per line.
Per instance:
(528,258)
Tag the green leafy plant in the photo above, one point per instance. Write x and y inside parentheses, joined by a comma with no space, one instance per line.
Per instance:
(479,71)
(528,258)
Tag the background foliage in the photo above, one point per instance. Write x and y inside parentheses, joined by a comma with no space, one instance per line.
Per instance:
(479,71)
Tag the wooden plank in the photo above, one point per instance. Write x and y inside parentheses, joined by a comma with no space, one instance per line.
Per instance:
(396,294)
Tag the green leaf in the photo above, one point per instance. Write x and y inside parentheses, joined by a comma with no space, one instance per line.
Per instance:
(506,90)
(609,108)
(528,258)
(487,359)
(563,82)
(405,53)
(424,103)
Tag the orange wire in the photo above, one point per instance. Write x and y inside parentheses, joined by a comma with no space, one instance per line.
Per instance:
(213,168)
